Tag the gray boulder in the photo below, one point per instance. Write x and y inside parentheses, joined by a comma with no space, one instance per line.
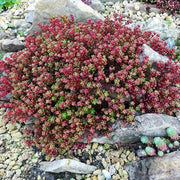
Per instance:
(156,168)
(148,125)
(67,165)
(153,55)
(97,5)
(44,9)
(158,26)
(161,27)
(11,45)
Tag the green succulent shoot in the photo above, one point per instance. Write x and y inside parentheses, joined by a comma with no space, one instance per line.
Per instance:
(160,144)
(150,151)
(145,139)
(160,153)
(170,145)
(176,143)
(171,133)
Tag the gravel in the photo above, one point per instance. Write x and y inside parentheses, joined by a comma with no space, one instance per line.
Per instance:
(19,162)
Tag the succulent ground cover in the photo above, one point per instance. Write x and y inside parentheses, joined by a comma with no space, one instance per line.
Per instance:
(172,6)
(78,79)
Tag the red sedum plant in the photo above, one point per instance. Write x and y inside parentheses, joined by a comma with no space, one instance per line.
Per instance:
(172,6)
(78,79)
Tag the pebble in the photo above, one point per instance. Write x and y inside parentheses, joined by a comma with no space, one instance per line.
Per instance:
(10,127)
(2,130)
(94,146)
(106,174)
(100,177)
(94,178)
(18,155)
(136,7)
(117,165)
(97,172)
(131,156)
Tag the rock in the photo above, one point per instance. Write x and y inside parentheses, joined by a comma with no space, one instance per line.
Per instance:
(9,174)
(10,126)
(149,124)
(2,130)
(3,35)
(94,146)
(112,170)
(141,153)
(16,135)
(68,165)
(4,25)
(170,42)
(11,45)
(136,7)
(178,115)
(97,5)
(29,17)
(140,7)
(100,177)
(159,26)
(8,96)
(17,22)
(156,168)
(2,150)
(116,177)
(153,55)
(106,174)
(49,8)
(117,166)
(152,14)
(97,172)
(131,156)
(94,178)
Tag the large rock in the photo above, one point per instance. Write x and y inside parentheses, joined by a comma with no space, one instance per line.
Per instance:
(148,125)
(11,45)
(44,9)
(67,165)
(156,168)
(97,5)
(153,55)
(159,26)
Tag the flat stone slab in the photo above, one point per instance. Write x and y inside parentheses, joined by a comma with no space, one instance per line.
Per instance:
(67,165)
(149,124)
(156,168)
(153,55)
(45,9)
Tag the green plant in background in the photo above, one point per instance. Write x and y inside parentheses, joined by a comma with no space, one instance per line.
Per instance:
(168,22)
(5,4)
(145,139)
(171,133)
(177,51)
(20,32)
(2,54)
(158,145)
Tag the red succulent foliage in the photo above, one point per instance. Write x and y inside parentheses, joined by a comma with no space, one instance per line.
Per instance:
(172,6)
(80,78)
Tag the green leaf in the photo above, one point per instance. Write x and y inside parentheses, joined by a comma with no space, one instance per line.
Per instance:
(168,22)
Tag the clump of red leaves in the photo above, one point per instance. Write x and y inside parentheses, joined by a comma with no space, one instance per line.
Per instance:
(80,78)
(172,6)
